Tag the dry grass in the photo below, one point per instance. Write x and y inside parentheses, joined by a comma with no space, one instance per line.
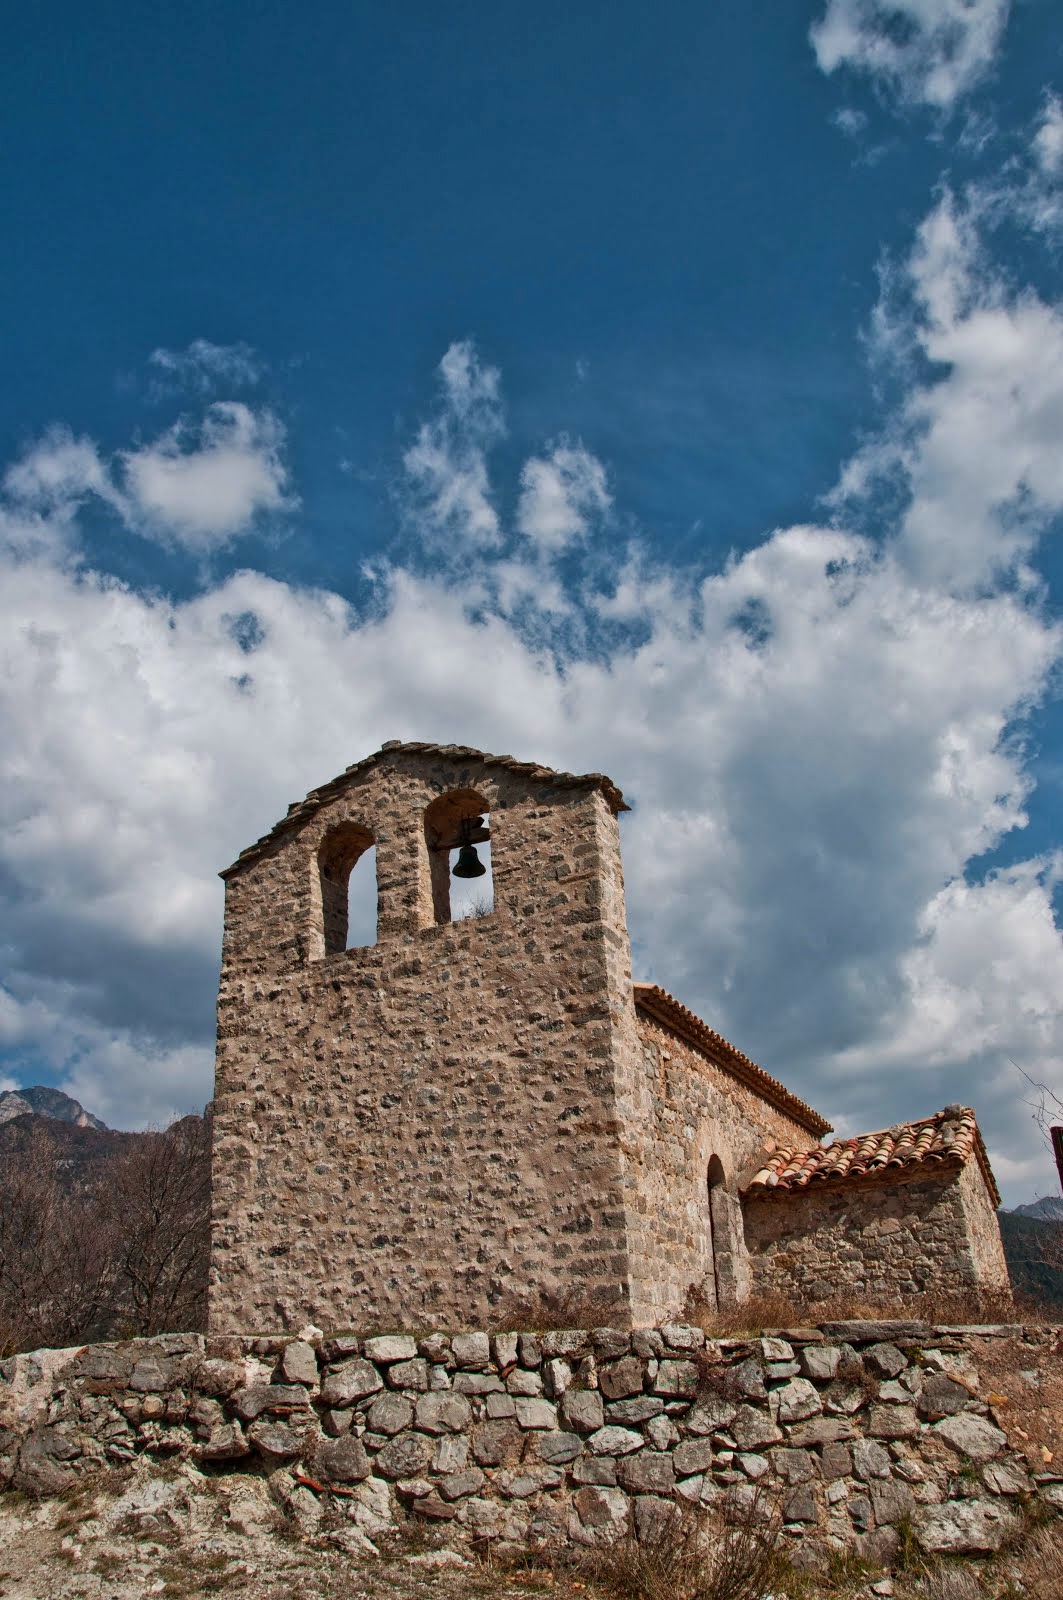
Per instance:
(570,1308)
(686,1555)
(1031,1407)
(785,1311)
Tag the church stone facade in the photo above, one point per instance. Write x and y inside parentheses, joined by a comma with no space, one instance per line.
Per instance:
(474,1122)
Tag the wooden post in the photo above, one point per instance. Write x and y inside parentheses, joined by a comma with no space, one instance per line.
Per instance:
(1057,1151)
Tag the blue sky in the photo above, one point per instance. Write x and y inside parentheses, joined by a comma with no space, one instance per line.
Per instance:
(673,394)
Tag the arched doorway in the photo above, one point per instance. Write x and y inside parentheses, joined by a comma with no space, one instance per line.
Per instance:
(726,1238)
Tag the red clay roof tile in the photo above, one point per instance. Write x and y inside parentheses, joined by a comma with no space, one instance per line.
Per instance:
(912,1149)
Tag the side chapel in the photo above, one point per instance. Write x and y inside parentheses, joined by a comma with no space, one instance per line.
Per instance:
(475,1117)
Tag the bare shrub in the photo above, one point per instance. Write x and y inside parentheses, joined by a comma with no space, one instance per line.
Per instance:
(572,1307)
(1040,1560)
(56,1267)
(686,1554)
(156,1213)
(91,1252)
(480,906)
(763,1312)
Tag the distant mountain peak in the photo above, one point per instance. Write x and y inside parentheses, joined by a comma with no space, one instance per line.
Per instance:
(1049,1209)
(42,1101)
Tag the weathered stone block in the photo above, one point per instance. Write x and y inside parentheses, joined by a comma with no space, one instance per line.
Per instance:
(600,1507)
(459,1485)
(885,1359)
(298,1363)
(890,1502)
(471,1350)
(496,1442)
(443,1412)
(582,1409)
(679,1378)
(276,1398)
(390,1414)
(557,1448)
(275,1439)
(618,1379)
(648,1472)
(536,1414)
(963,1527)
(614,1441)
(753,1428)
(411,1374)
(693,1455)
(342,1460)
(893,1422)
(404,1456)
(795,1401)
(971,1436)
(352,1381)
(793,1466)
(819,1361)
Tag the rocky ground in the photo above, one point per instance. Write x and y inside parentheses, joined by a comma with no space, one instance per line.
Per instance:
(178,1533)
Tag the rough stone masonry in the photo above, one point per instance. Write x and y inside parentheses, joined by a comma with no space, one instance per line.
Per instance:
(485,1118)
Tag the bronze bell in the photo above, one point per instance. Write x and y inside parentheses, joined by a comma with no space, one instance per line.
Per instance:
(468,864)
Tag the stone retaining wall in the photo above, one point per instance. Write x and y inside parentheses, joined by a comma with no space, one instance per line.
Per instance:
(850,1429)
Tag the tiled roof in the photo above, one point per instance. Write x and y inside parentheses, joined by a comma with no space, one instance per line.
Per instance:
(911,1149)
(665,1008)
(300,810)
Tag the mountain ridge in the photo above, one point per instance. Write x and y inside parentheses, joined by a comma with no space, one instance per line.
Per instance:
(42,1101)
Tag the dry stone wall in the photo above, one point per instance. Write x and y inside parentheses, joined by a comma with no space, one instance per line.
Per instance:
(850,1430)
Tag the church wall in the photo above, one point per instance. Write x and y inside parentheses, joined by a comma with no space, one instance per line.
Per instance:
(878,1239)
(692,1111)
(983,1230)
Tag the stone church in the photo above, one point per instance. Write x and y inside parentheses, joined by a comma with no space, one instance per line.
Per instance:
(477,1119)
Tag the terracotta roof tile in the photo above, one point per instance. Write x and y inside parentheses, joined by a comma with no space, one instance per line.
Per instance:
(656,1002)
(300,810)
(912,1149)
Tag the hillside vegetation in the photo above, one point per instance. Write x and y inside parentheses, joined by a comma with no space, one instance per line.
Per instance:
(102,1235)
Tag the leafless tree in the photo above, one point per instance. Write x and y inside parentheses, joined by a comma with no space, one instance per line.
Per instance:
(1046,1108)
(156,1205)
(56,1263)
(114,1248)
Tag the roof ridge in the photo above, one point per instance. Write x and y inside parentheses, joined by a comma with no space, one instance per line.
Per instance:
(300,810)
(665,1008)
(902,1147)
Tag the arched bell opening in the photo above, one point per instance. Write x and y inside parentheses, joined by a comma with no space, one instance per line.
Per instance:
(346,862)
(458,841)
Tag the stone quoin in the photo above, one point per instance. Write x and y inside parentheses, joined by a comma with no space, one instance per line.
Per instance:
(473,1120)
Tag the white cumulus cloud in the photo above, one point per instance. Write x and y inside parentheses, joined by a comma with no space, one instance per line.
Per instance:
(201,483)
(205,366)
(927,52)
(446,465)
(561,494)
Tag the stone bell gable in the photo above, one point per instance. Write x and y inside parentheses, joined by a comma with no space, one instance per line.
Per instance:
(427,1128)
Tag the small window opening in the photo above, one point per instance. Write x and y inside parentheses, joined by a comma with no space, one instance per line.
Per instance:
(347,866)
(472,897)
(459,856)
(361,901)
